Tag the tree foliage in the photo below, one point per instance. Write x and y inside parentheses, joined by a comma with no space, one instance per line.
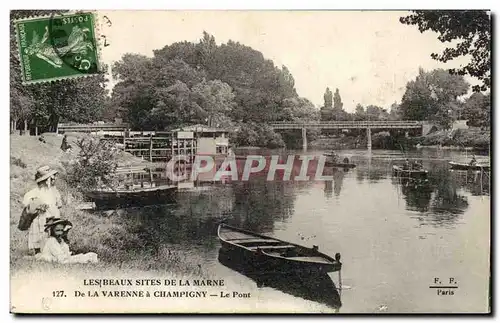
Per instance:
(95,165)
(328,97)
(469,29)
(477,109)
(337,101)
(217,85)
(433,96)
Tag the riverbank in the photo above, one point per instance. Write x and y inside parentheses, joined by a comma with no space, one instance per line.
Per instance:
(116,239)
(459,139)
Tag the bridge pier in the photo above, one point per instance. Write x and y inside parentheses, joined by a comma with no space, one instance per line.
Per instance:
(369,138)
(304,139)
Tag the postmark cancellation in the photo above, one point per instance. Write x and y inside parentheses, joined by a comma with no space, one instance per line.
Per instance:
(57,47)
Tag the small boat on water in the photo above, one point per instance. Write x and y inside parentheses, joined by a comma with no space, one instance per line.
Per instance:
(334,161)
(412,173)
(464,166)
(132,196)
(269,254)
(339,165)
(137,186)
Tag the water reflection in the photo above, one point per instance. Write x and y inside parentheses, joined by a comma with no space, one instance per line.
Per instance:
(259,203)
(314,287)
(417,194)
(438,197)
(373,170)
(335,185)
(477,183)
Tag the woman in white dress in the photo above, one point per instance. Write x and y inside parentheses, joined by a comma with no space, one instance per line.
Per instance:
(42,202)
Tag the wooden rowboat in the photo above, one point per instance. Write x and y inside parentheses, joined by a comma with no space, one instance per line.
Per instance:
(413,173)
(132,196)
(464,166)
(339,165)
(267,254)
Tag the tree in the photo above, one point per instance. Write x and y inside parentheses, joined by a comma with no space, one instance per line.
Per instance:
(374,112)
(216,98)
(395,113)
(470,29)
(328,99)
(359,113)
(433,96)
(337,101)
(477,110)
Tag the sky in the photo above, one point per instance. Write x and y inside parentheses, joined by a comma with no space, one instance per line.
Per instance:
(368,55)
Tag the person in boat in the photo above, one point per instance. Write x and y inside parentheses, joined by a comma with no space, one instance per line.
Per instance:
(42,202)
(417,165)
(473,161)
(56,248)
(333,156)
(406,165)
(346,160)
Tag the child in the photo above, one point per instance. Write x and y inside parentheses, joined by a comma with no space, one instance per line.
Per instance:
(56,248)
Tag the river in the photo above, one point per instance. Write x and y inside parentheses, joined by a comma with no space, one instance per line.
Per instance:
(395,238)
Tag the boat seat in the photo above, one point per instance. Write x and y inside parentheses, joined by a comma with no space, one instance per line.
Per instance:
(272,247)
(251,240)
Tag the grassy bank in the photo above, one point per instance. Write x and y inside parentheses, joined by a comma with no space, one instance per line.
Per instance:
(446,139)
(460,139)
(113,238)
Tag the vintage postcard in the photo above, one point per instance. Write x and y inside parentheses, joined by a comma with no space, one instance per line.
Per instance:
(250,161)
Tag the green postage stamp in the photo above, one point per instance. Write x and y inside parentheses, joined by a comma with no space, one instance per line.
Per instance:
(57,47)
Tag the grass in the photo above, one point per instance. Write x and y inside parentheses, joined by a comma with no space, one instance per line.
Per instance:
(113,238)
(459,138)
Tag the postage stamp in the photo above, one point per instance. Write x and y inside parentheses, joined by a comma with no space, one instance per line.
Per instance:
(57,47)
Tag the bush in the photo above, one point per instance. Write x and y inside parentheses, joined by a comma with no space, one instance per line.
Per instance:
(259,135)
(94,166)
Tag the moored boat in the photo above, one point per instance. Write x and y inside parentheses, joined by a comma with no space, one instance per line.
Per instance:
(464,166)
(269,254)
(413,173)
(132,196)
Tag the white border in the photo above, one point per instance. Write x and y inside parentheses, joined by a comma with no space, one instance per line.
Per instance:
(198,4)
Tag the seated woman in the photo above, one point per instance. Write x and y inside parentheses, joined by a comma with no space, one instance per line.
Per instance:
(56,248)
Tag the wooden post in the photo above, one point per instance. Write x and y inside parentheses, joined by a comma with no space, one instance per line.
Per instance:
(151,148)
(369,138)
(304,139)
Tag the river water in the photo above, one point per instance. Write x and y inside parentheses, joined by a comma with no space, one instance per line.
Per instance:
(395,237)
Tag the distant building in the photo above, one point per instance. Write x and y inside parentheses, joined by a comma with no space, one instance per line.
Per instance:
(208,140)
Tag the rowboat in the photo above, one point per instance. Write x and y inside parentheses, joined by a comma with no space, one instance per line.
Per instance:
(413,173)
(267,254)
(132,196)
(464,166)
(339,165)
